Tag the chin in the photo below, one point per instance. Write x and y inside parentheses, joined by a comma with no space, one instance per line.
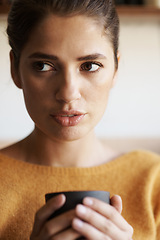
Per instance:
(69,135)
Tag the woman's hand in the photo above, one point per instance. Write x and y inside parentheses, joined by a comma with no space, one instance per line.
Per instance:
(58,228)
(96,220)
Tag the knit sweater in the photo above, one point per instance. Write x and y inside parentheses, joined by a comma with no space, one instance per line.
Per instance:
(134,176)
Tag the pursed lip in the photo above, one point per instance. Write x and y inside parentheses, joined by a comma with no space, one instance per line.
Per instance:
(68,113)
(68,118)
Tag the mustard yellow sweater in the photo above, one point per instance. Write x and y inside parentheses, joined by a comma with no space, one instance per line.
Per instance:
(134,176)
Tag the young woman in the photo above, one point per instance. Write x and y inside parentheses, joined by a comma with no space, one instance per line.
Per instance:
(64,57)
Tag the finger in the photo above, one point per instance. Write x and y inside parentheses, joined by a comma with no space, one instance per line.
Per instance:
(57,225)
(44,213)
(69,234)
(88,231)
(107,211)
(102,224)
(116,202)
(92,233)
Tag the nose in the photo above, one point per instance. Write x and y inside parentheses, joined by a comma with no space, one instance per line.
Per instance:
(69,89)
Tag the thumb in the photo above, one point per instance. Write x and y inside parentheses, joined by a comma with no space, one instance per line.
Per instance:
(116,202)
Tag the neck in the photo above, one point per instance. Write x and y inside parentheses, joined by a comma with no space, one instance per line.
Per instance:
(85,152)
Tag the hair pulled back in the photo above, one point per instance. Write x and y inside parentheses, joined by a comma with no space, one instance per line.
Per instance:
(25,15)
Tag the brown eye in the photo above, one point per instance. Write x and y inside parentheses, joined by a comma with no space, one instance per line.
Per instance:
(43,67)
(90,67)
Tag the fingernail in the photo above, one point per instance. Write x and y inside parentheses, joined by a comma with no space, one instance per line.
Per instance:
(81,209)
(88,201)
(77,223)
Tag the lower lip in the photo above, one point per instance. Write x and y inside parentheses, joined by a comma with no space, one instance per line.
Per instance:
(68,121)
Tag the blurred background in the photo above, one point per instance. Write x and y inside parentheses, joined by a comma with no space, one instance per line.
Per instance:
(132,118)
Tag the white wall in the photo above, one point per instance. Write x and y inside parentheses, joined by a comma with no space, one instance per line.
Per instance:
(134,107)
(14,120)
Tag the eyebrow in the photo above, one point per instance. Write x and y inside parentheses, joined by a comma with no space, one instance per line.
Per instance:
(94,56)
(43,56)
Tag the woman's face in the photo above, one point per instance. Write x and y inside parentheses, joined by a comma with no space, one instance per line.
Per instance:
(66,71)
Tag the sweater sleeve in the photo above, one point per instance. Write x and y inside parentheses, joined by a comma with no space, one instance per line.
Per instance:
(155,199)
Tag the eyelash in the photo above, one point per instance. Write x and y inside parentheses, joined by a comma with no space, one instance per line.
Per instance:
(37,64)
(92,63)
(40,64)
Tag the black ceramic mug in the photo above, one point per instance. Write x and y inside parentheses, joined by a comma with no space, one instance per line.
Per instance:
(76,197)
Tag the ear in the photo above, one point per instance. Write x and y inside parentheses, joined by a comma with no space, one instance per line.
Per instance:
(14,72)
(118,56)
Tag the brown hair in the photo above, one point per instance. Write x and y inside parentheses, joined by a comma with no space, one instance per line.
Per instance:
(26,14)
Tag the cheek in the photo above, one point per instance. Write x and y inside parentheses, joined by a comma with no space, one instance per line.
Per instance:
(102,97)
(98,98)
(34,95)
(102,87)
(33,88)
(100,94)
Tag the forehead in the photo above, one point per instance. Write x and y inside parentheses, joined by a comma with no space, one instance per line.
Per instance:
(73,35)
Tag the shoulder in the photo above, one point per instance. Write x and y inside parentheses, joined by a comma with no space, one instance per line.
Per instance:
(7,168)
(138,164)
(13,151)
(6,162)
(9,159)
(143,169)
(143,157)
(141,161)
